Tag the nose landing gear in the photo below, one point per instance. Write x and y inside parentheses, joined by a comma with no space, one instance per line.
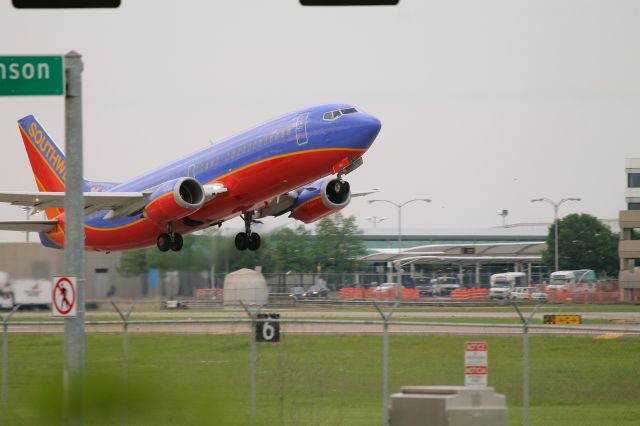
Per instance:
(170,240)
(247,240)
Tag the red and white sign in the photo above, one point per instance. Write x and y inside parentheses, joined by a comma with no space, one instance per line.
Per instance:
(64,297)
(476,364)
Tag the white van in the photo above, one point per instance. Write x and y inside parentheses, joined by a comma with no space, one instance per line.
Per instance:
(577,280)
(502,284)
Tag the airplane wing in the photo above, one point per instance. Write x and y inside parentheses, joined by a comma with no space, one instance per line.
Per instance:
(118,202)
(364,193)
(284,203)
(28,225)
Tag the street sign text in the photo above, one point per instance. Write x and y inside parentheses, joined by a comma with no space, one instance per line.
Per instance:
(31,75)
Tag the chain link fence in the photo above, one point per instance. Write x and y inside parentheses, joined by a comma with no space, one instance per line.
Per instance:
(328,367)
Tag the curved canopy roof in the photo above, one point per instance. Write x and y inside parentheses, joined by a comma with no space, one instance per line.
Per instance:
(525,252)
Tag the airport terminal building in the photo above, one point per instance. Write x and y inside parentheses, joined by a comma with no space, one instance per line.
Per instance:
(470,254)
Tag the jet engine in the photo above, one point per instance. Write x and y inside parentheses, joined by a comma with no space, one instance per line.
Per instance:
(327,197)
(174,200)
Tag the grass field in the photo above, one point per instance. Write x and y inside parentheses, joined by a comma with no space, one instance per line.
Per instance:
(317,379)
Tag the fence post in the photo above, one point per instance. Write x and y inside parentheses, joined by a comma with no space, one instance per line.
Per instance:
(125,358)
(252,363)
(385,359)
(4,416)
(525,360)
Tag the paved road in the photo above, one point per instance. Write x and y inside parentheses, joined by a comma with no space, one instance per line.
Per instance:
(626,317)
(194,322)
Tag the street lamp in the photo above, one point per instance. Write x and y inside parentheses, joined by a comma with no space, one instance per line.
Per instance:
(399,206)
(503,213)
(376,220)
(555,218)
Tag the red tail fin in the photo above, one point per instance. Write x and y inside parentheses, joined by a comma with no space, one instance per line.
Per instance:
(46,158)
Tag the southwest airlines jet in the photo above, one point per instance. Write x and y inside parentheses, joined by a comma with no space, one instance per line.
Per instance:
(293,164)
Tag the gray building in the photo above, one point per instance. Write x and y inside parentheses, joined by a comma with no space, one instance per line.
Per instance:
(32,260)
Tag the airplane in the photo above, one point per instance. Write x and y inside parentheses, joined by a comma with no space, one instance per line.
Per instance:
(292,164)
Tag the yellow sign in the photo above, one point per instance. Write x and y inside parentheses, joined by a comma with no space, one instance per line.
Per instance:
(562,319)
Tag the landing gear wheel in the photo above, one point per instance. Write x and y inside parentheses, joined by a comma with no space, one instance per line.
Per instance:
(177,243)
(254,241)
(242,241)
(163,242)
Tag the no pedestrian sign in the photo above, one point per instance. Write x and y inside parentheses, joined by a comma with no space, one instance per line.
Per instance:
(64,297)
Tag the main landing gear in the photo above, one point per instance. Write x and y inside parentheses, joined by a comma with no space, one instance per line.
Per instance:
(247,240)
(169,240)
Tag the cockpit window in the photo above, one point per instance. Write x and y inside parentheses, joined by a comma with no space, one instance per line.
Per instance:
(332,115)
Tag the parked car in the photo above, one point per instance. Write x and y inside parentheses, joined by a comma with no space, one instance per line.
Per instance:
(528,293)
(445,285)
(423,285)
(316,291)
(384,287)
(296,293)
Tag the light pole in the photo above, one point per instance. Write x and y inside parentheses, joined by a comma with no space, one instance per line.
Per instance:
(503,213)
(556,206)
(399,206)
(376,220)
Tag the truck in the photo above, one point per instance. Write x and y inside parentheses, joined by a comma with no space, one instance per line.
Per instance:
(502,284)
(573,281)
(28,293)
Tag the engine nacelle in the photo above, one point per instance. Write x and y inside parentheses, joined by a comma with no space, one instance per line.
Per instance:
(330,196)
(174,200)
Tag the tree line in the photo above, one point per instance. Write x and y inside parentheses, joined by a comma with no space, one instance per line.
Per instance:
(335,246)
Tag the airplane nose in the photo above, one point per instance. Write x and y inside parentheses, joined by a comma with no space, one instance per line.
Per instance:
(376,125)
(369,129)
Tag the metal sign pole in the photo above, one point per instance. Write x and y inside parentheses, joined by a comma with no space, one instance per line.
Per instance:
(125,358)
(4,408)
(74,333)
(525,360)
(252,363)
(385,360)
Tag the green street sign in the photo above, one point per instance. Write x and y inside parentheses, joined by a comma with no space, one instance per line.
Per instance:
(31,75)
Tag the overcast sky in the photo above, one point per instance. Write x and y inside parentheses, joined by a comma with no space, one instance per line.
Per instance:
(484,104)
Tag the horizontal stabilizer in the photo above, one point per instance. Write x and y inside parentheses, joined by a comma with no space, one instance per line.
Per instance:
(28,225)
(93,201)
